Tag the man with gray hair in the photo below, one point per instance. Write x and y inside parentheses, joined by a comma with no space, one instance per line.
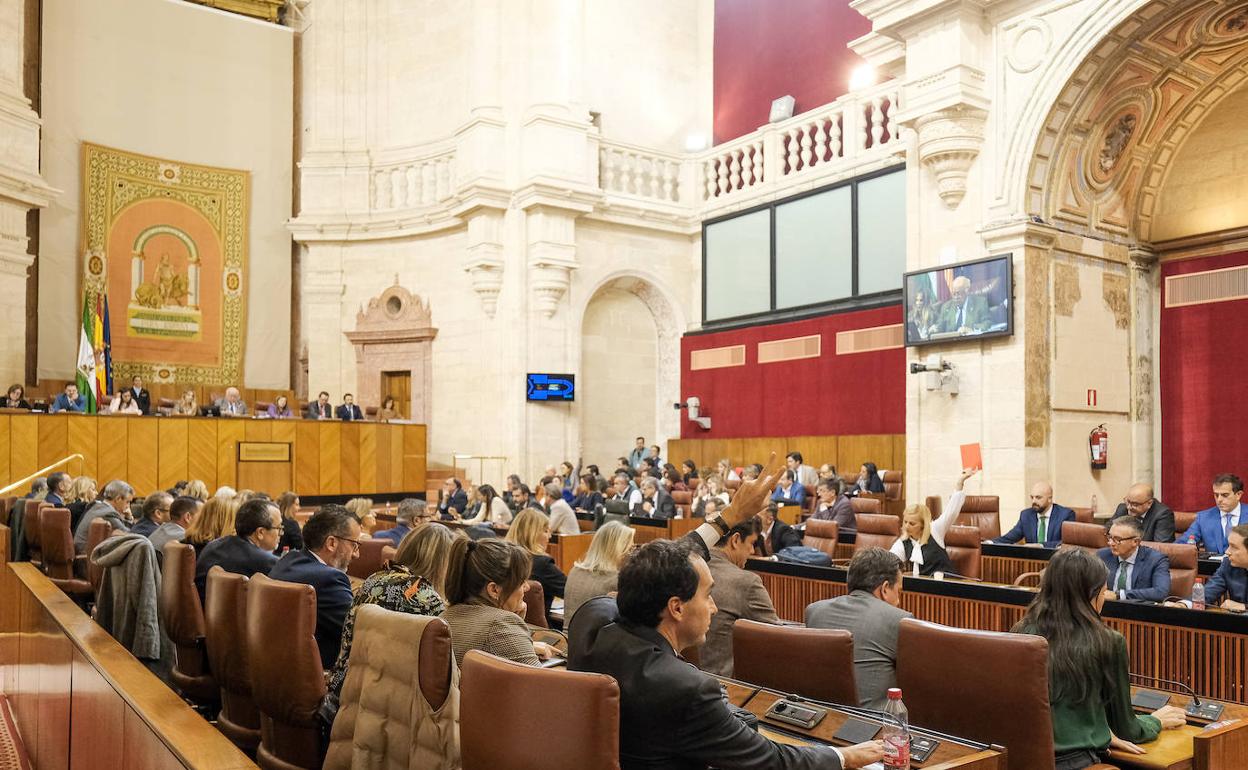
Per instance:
(965,312)
(411,512)
(112,506)
(155,512)
(656,503)
(562,517)
(232,405)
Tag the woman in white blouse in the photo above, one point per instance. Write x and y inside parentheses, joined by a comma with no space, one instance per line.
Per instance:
(493,509)
(922,541)
(124,403)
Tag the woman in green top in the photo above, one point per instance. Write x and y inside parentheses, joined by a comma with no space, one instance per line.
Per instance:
(1089,688)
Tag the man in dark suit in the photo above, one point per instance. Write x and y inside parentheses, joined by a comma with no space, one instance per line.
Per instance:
(1229,585)
(1135,571)
(319,409)
(656,503)
(1213,525)
(776,534)
(331,539)
(454,498)
(1042,522)
(672,715)
(1155,517)
(257,528)
(348,411)
(964,313)
(141,396)
(155,511)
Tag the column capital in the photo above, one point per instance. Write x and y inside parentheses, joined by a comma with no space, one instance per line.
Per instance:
(1017,233)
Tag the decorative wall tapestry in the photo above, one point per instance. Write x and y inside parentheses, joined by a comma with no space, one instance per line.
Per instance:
(167,241)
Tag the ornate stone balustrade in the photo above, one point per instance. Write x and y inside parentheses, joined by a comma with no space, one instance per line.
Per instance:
(639,172)
(413,184)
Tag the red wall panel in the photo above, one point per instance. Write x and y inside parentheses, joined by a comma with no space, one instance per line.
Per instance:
(829,395)
(1204,379)
(765,49)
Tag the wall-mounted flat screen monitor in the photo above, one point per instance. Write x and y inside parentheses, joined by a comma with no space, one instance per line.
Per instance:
(551,387)
(966,301)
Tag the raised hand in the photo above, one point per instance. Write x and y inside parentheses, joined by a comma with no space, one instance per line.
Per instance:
(751,496)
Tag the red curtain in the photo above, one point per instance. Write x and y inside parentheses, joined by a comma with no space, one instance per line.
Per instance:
(1204,390)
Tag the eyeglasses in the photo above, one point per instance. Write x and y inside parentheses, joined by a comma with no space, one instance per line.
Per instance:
(1133,504)
(1116,540)
(355,543)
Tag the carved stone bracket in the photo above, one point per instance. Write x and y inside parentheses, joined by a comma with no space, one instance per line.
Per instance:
(949,142)
(484,262)
(552,254)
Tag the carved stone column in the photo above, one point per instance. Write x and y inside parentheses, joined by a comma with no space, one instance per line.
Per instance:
(1143,261)
(949,142)
(551,245)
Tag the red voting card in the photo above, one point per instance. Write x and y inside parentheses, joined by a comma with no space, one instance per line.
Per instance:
(972,457)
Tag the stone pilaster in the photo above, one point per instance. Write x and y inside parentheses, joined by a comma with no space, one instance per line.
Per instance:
(1143,277)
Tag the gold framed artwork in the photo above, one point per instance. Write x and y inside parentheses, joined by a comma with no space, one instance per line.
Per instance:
(167,241)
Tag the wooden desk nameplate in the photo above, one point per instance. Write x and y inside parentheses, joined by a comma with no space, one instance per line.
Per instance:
(263,452)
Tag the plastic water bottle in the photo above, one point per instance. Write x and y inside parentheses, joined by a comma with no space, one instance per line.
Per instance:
(1198,595)
(1093,506)
(896,733)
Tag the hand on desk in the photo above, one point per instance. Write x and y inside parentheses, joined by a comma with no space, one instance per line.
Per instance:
(1232,605)
(1127,747)
(863,753)
(544,651)
(1170,717)
(1109,594)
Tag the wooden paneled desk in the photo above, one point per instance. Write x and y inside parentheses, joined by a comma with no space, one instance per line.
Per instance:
(1004,563)
(1194,746)
(951,753)
(323,457)
(1207,650)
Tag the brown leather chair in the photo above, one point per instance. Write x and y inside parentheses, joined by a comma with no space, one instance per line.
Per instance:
(1182,558)
(893,485)
(165,406)
(1002,688)
(183,618)
(1089,536)
(225,629)
(30,523)
(764,654)
(1183,521)
(983,511)
(683,501)
(10,504)
(535,605)
(97,532)
(284,669)
(499,729)
(876,529)
(262,406)
(370,559)
(1084,515)
(58,553)
(821,534)
(862,504)
(693,484)
(962,544)
(812,500)
(5,504)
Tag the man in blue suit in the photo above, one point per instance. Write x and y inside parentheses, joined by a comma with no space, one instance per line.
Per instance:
(1042,522)
(69,401)
(789,491)
(1135,571)
(1229,585)
(1213,525)
(349,409)
(331,539)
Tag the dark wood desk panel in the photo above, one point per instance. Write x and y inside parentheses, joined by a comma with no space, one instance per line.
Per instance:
(1004,563)
(1208,650)
(327,457)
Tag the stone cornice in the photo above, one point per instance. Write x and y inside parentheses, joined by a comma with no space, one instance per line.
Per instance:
(556,194)
(26,188)
(1019,231)
(364,227)
(899,18)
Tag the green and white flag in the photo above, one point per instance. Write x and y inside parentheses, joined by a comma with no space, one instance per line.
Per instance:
(86,360)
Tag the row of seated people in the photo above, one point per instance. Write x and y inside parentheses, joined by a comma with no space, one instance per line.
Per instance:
(136,401)
(671,597)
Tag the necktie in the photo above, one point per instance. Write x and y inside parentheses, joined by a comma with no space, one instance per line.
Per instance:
(1040,530)
(961,315)
(1122,575)
(1226,529)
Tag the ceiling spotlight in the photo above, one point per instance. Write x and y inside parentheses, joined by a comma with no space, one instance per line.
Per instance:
(696,142)
(863,76)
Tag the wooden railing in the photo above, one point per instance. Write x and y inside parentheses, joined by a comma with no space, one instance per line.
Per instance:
(22,482)
(81,699)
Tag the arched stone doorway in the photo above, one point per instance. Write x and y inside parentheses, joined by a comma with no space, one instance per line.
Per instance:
(629,374)
(1108,168)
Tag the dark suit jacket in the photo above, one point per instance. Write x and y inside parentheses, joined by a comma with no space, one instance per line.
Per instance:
(1229,582)
(144,527)
(232,554)
(672,716)
(1028,521)
(458,501)
(661,507)
(977,318)
(143,399)
(333,597)
(349,412)
(554,582)
(1158,521)
(314,411)
(1150,579)
(782,536)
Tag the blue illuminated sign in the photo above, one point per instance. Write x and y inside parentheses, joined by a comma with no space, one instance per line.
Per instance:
(551,387)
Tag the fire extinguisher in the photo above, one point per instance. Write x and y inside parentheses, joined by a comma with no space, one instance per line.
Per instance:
(1098,446)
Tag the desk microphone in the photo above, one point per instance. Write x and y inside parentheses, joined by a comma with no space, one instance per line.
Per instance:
(1208,710)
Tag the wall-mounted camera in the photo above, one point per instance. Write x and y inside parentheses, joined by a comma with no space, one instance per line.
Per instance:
(937,374)
(692,405)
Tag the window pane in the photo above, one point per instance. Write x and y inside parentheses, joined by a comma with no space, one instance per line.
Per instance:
(738,266)
(881,233)
(814,252)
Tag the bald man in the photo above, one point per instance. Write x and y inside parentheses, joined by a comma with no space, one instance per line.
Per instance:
(1042,522)
(1154,516)
(964,313)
